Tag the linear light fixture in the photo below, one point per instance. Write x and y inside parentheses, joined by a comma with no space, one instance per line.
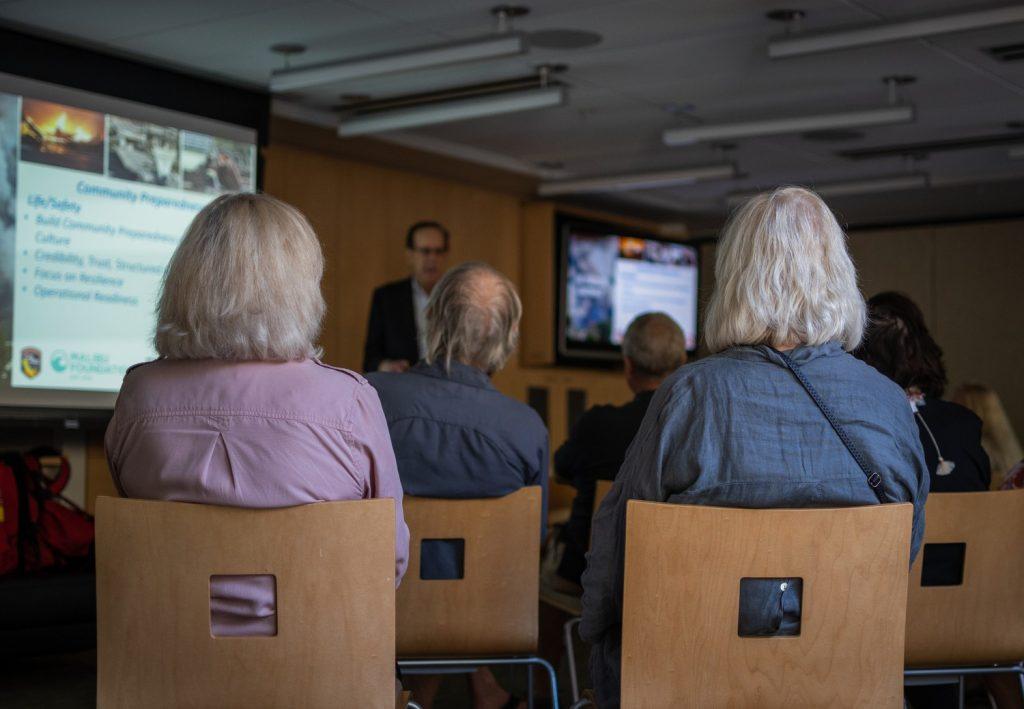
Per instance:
(360,68)
(638,181)
(448,111)
(888,183)
(799,44)
(795,124)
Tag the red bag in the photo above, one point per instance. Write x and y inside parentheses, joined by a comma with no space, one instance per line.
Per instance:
(41,527)
(8,520)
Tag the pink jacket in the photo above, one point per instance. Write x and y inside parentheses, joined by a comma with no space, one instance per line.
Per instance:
(252,434)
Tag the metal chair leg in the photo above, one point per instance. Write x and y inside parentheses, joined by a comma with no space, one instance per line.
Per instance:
(529,686)
(443,665)
(961,691)
(570,653)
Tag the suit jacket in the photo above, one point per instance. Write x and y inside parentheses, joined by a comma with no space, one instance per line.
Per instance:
(391,333)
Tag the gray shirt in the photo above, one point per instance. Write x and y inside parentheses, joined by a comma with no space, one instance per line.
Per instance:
(737,430)
(457,436)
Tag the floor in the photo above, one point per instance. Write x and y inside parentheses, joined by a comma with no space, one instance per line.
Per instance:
(69,682)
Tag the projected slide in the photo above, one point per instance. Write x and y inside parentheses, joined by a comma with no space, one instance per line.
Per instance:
(92,205)
(611,279)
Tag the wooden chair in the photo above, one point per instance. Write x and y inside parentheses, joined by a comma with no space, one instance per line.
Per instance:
(684,564)
(334,565)
(489,616)
(963,608)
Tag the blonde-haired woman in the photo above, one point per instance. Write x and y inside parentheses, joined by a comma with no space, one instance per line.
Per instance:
(740,428)
(237,410)
(997,435)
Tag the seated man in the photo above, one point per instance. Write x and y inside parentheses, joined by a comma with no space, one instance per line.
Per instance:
(454,434)
(653,347)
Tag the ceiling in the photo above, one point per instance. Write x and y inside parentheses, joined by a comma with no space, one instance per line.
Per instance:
(660,64)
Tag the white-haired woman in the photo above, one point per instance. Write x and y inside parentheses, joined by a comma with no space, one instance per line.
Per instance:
(237,410)
(739,429)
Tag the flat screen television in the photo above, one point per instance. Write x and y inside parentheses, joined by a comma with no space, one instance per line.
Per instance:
(608,275)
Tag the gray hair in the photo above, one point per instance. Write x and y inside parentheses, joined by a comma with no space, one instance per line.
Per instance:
(473,318)
(655,344)
(784,276)
(244,284)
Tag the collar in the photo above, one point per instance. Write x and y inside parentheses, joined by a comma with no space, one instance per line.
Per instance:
(417,289)
(459,373)
(801,355)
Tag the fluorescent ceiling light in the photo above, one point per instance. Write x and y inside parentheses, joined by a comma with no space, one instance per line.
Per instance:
(795,124)
(799,44)
(638,181)
(873,185)
(448,111)
(426,57)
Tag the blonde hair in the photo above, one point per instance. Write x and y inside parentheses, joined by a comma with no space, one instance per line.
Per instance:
(997,435)
(244,284)
(473,318)
(784,277)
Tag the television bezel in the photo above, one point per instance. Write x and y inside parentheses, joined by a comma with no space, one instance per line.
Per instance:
(601,355)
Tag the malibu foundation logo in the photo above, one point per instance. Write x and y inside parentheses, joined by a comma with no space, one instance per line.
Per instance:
(59,361)
(31,362)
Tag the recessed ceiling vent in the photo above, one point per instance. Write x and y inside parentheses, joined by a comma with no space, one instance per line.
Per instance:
(1007,52)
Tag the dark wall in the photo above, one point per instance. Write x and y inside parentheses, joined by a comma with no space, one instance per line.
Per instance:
(46,60)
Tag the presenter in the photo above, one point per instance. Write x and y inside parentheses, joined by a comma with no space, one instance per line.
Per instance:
(395,338)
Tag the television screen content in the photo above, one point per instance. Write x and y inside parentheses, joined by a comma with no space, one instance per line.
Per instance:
(608,278)
(95,194)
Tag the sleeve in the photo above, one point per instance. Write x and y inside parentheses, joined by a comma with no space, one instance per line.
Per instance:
(373,351)
(371,438)
(639,478)
(978,456)
(112,443)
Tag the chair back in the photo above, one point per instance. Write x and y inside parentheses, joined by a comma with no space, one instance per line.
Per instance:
(492,609)
(680,637)
(334,566)
(964,603)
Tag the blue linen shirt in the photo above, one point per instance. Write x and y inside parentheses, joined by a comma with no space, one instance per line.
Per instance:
(737,430)
(456,436)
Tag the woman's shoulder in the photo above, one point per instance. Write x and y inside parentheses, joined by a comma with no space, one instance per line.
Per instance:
(949,413)
(300,388)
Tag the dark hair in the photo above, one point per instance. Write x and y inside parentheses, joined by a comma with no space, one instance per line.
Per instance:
(425,225)
(897,343)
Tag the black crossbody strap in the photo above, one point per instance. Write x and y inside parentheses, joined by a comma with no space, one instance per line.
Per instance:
(874,479)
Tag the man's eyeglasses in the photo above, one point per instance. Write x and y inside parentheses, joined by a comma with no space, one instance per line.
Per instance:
(431,252)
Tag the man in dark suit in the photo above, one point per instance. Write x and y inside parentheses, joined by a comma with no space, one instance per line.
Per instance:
(395,337)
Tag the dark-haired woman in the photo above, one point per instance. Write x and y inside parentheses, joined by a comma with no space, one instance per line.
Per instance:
(897,343)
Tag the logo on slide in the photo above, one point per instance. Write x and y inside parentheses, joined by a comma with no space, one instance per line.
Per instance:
(59,361)
(31,362)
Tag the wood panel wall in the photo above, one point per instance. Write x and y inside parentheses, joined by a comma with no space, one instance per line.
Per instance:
(967,280)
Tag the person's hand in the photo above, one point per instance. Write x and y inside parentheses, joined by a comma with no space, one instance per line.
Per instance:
(393,365)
